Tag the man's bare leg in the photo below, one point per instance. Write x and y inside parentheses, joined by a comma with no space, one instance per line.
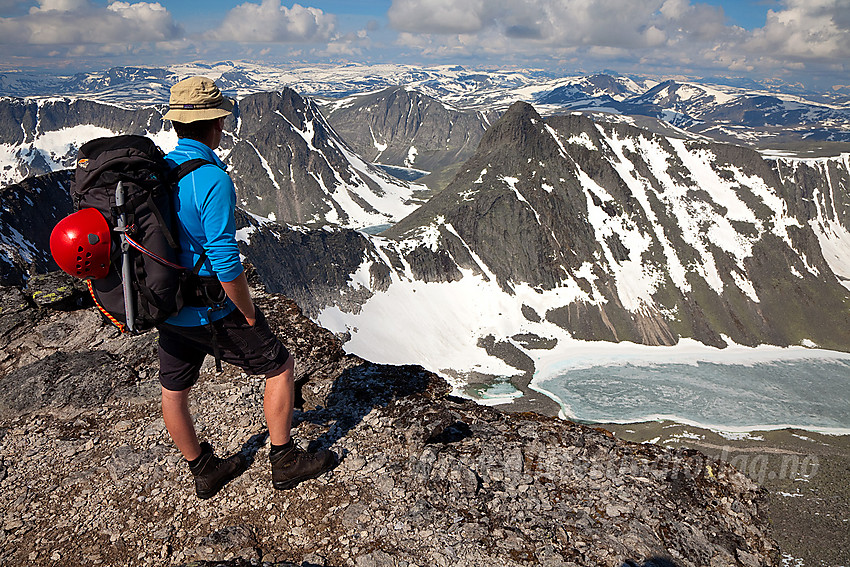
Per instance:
(279,402)
(290,464)
(179,423)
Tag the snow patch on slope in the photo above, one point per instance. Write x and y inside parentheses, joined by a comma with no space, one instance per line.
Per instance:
(438,325)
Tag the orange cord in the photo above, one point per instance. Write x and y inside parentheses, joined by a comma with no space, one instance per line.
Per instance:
(116,322)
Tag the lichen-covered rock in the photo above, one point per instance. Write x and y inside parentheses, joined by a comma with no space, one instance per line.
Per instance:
(57,290)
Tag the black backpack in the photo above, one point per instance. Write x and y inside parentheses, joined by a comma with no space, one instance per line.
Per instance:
(157,286)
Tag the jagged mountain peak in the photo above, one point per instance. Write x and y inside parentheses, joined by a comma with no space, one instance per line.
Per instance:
(405,99)
(521,150)
(514,209)
(289,164)
(520,109)
(255,110)
(519,127)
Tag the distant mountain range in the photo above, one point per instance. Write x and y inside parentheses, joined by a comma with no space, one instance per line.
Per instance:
(764,116)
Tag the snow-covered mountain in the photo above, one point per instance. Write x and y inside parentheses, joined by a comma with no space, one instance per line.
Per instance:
(39,136)
(599,89)
(557,230)
(289,164)
(622,222)
(738,114)
(135,86)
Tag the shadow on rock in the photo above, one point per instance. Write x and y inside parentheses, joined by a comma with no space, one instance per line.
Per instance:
(65,379)
(252,446)
(361,388)
(652,562)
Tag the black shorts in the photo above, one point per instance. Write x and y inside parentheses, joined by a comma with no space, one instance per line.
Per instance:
(256,350)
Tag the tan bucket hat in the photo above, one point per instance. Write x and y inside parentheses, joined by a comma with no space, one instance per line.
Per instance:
(197,98)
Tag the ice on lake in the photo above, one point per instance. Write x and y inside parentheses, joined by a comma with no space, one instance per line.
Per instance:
(807,393)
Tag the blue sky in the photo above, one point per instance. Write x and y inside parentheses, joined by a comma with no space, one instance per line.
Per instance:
(746,13)
(805,41)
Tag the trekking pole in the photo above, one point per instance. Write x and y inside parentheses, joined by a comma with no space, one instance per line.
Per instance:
(125,257)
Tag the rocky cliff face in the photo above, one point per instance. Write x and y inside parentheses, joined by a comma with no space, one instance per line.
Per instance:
(39,137)
(288,163)
(566,228)
(660,238)
(404,128)
(88,474)
(30,211)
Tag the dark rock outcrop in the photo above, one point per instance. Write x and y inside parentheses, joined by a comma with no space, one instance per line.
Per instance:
(29,212)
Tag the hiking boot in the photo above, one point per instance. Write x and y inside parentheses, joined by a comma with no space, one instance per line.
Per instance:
(293,465)
(211,472)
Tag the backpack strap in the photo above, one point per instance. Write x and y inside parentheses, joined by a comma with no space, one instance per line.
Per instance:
(187,167)
(174,176)
(201,259)
(165,232)
(178,173)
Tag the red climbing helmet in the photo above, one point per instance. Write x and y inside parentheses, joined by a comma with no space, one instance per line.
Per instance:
(81,244)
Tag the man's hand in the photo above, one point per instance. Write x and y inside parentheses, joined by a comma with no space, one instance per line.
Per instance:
(238,292)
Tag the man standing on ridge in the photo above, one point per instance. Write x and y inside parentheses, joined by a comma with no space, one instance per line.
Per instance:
(237,332)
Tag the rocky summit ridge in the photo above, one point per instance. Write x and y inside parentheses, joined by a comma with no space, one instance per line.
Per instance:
(89,475)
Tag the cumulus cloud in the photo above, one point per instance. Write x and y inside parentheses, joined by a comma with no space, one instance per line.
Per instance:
(561,23)
(60,6)
(270,22)
(692,35)
(81,22)
(805,29)
(440,16)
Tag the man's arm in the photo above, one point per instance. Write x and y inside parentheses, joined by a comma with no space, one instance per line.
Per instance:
(238,292)
(217,219)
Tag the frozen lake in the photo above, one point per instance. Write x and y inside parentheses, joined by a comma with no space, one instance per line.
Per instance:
(729,390)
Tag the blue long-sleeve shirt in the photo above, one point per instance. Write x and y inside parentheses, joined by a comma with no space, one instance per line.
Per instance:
(205,202)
